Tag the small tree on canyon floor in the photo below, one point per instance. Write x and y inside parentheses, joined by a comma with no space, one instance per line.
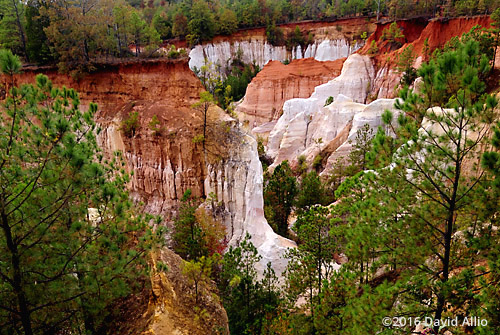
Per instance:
(196,232)
(199,272)
(249,302)
(279,197)
(311,263)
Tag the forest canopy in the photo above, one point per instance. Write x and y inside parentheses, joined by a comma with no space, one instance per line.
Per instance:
(75,34)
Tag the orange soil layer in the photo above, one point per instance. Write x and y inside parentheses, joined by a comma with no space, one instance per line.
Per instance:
(277,83)
(163,88)
(111,85)
(416,31)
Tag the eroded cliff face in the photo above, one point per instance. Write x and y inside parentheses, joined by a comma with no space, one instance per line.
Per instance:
(331,41)
(417,31)
(165,164)
(238,183)
(360,95)
(305,122)
(276,83)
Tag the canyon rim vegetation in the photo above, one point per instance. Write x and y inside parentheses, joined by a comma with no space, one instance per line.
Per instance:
(249,167)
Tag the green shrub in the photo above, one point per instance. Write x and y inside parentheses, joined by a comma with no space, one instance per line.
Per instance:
(373,50)
(173,53)
(302,166)
(154,126)
(328,101)
(317,162)
(130,124)
(275,35)
(393,34)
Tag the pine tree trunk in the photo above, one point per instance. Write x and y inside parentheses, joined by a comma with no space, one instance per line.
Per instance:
(448,234)
(17,282)
(319,265)
(495,52)
(21,31)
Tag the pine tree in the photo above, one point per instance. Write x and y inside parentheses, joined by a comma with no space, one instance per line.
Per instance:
(202,107)
(311,264)
(196,232)
(228,22)
(279,195)
(311,192)
(495,16)
(421,225)
(70,241)
(202,25)
(188,235)
(12,26)
(405,66)
(246,299)
(142,34)
(37,43)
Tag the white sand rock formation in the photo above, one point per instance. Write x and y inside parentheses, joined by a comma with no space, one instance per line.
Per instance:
(238,183)
(370,114)
(305,121)
(261,52)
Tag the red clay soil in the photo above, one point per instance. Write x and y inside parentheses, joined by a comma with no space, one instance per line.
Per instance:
(412,29)
(161,88)
(305,67)
(440,32)
(416,31)
(112,85)
(277,83)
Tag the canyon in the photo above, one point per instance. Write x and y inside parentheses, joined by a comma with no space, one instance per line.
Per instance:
(365,88)
(286,104)
(164,166)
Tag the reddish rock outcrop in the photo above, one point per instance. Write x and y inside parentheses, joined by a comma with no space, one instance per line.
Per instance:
(163,166)
(437,32)
(277,83)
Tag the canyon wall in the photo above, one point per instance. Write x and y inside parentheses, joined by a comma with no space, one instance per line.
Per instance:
(238,183)
(316,64)
(416,31)
(308,128)
(258,51)
(330,41)
(264,101)
(276,83)
(165,164)
(298,128)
